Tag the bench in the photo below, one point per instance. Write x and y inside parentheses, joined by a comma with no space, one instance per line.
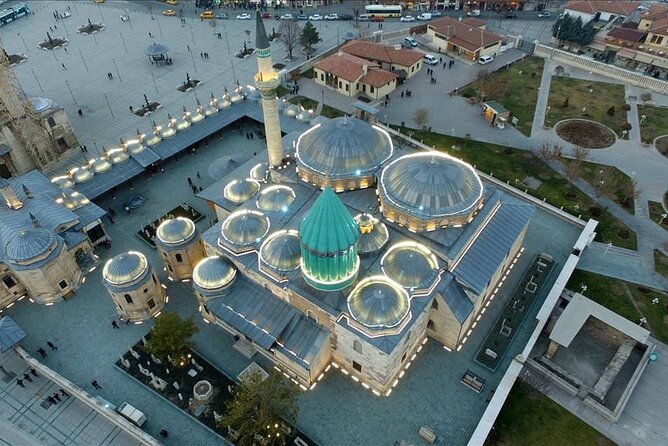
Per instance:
(200,410)
(427,434)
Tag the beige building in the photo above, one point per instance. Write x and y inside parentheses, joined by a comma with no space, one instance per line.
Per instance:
(468,38)
(351,75)
(401,61)
(133,286)
(178,242)
(657,37)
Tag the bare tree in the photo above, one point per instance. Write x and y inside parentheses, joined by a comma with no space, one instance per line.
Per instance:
(548,152)
(573,170)
(421,117)
(580,153)
(630,190)
(492,87)
(290,35)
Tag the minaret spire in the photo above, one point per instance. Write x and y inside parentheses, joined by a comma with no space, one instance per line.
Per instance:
(266,81)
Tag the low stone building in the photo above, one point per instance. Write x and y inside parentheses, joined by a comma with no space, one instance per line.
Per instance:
(401,61)
(350,75)
(178,242)
(467,39)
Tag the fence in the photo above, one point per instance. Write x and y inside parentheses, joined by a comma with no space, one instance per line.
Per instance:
(612,71)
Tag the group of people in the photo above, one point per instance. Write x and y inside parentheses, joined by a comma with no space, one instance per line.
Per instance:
(42,352)
(193,186)
(55,398)
(26,377)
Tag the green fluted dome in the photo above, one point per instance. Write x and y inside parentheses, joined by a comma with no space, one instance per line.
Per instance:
(329,244)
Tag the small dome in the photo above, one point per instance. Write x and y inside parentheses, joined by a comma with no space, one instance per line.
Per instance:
(27,244)
(344,148)
(213,273)
(373,234)
(291,110)
(431,184)
(259,172)
(245,227)
(125,268)
(378,303)
(281,251)
(410,264)
(134,147)
(99,165)
(276,198)
(117,156)
(305,116)
(41,104)
(81,175)
(254,95)
(175,230)
(239,191)
(63,182)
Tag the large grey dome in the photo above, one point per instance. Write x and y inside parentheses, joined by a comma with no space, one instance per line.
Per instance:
(344,147)
(174,231)
(29,243)
(125,268)
(378,303)
(431,184)
(281,251)
(213,273)
(410,264)
(245,227)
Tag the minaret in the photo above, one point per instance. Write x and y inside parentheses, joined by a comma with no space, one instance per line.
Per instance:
(266,80)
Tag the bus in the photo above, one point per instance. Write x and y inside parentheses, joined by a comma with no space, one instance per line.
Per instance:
(20,10)
(7,16)
(383,10)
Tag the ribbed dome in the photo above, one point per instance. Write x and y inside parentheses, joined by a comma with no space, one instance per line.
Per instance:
(175,230)
(328,227)
(276,198)
(373,234)
(99,165)
(291,110)
(62,182)
(28,244)
(431,185)
(379,303)
(344,147)
(239,191)
(259,172)
(124,268)
(81,174)
(281,251)
(134,147)
(213,273)
(412,265)
(245,227)
(117,156)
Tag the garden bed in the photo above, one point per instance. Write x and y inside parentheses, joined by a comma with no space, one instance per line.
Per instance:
(654,125)
(53,43)
(147,233)
(189,85)
(661,144)
(90,28)
(656,211)
(147,109)
(661,263)
(584,133)
(310,104)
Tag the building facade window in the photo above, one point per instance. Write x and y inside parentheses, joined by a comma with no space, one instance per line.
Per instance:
(434,305)
(431,325)
(128,298)
(62,284)
(150,303)
(52,122)
(310,314)
(357,366)
(8,281)
(179,258)
(357,346)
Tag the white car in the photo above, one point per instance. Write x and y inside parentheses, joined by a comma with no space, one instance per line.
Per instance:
(315,17)
(287,17)
(424,17)
(407,18)
(332,17)
(483,60)
(244,17)
(65,14)
(430,59)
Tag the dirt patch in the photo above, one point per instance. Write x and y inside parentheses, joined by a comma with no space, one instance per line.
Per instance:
(589,134)
(661,144)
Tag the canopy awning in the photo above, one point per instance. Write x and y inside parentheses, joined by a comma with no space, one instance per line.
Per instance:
(156,49)
(10,333)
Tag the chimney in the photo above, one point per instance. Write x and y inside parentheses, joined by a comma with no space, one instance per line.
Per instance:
(365,69)
(9,195)
(34,220)
(26,190)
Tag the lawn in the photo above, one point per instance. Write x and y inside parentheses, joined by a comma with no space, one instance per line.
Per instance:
(530,418)
(282,91)
(508,164)
(595,97)
(515,87)
(655,122)
(656,212)
(619,193)
(626,299)
(308,103)
(661,263)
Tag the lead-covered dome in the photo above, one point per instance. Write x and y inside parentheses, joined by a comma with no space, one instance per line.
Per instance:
(378,303)
(213,274)
(430,186)
(410,264)
(125,268)
(28,244)
(175,231)
(245,227)
(343,148)
(276,198)
(373,234)
(239,191)
(281,251)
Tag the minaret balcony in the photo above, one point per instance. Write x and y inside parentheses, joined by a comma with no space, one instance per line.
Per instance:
(266,83)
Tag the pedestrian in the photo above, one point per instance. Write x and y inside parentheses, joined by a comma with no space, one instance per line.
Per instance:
(85,148)
(33,372)
(42,352)
(95,384)
(444,64)
(56,397)
(164,433)
(63,393)
(190,181)
(131,109)
(19,381)
(63,65)
(50,344)
(198,175)
(64,49)
(162,170)
(402,94)
(81,148)
(127,208)
(114,325)
(200,189)
(150,35)
(80,112)
(27,377)
(111,211)
(194,188)
(201,55)
(51,399)
(111,218)
(187,46)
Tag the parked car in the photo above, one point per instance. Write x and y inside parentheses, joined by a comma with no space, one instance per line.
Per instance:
(511,15)
(473,13)
(169,12)
(407,18)
(411,42)
(363,18)
(315,17)
(345,17)
(425,16)
(244,16)
(222,16)
(430,59)
(287,17)
(266,15)
(332,17)
(133,414)
(302,17)
(171,2)
(65,14)
(435,13)
(544,14)
(207,15)
(483,60)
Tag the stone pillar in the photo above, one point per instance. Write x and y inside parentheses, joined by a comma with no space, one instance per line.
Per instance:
(551,349)
(272,128)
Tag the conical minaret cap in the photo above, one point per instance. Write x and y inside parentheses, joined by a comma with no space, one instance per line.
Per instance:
(261,39)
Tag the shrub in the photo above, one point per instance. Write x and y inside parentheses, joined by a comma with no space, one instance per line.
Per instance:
(646,97)
(565,103)
(469,92)
(611,111)
(627,126)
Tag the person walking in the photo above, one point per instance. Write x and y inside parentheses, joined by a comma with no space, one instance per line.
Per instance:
(95,384)
(33,372)
(63,65)
(42,352)
(56,397)
(51,399)
(114,325)
(63,393)
(190,182)
(51,345)
(27,377)
(19,381)
(198,175)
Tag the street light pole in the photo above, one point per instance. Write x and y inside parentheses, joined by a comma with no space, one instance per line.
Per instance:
(37,80)
(117,72)
(70,90)
(154,84)
(123,40)
(109,105)
(24,42)
(83,60)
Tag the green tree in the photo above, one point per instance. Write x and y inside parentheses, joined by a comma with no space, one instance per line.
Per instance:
(261,408)
(588,33)
(171,336)
(309,37)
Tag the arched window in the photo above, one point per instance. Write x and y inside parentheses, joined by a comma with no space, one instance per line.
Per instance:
(312,315)
(431,325)
(52,122)
(179,258)
(357,346)
(434,305)
(128,299)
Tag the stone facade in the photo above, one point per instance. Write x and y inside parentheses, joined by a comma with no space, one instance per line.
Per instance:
(181,261)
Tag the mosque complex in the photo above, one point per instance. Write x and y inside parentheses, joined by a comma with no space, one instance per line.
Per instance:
(335,248)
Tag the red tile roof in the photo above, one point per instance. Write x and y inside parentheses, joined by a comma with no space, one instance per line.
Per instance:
(655,12)
(343,65)
(382,53)
(628,34)
(618,7)
(464,35)
(378,77)
(659,27)
(474,22)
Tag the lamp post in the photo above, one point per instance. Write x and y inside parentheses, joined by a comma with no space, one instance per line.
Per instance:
(117,72)
(24,42)
(642,118)
(663,217)
(40,85)
(70,90)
